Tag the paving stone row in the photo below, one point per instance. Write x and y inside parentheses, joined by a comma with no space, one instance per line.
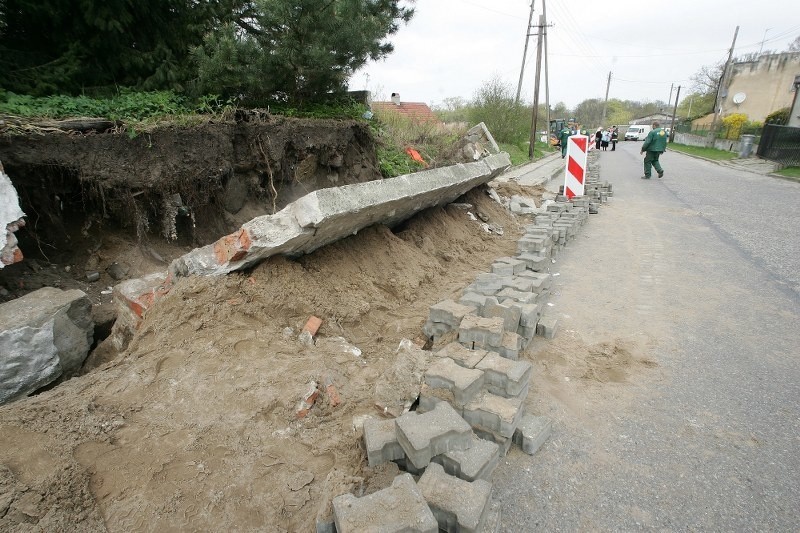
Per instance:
(470,408)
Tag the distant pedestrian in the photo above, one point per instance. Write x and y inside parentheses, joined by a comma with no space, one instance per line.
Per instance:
(563,139)
(605,138)
(614,138)
(598,135)
(654,145)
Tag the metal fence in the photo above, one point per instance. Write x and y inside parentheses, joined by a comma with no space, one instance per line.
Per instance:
(780,144)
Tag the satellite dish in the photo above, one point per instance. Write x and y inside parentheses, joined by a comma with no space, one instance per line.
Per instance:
(738,98)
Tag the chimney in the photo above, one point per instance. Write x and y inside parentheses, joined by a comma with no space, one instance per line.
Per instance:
(396,98)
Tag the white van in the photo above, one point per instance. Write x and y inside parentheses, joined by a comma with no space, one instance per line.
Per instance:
(637,132)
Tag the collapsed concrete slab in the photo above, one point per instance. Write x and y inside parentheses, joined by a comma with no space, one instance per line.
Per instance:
(43,335)
(10,221)
(327,215)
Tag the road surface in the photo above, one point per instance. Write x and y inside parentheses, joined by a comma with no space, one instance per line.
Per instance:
(690,285)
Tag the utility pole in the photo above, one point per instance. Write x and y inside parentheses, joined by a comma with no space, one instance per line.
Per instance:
(723,79)
(671,86)
(524,54)
(546,75)
(535,112)
(674,111)
(605,104)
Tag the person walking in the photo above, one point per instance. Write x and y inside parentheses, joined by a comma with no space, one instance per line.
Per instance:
(597,136)
(614,137)
(563,138)
(653,146)
(605,138)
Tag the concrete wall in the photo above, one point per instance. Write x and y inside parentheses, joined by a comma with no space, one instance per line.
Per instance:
(767,83)
(720,144)
(327,215)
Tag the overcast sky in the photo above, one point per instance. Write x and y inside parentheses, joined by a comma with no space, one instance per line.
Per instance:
(451,47)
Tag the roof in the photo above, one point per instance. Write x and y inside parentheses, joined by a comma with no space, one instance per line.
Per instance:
(415,111)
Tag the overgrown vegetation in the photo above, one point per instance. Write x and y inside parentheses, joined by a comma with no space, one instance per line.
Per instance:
(700,151)
(779,117)
(790,172)
(397,133)
(258,51)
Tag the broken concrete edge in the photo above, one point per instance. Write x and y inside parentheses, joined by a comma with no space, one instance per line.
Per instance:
(45,335)
(10,219)
(327,215)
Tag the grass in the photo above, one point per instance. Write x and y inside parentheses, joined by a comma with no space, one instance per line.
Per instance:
(519,153)
(790,172)
(700,151)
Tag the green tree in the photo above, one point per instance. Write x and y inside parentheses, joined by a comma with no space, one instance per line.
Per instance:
(68,46)
(509,122)
(296,50)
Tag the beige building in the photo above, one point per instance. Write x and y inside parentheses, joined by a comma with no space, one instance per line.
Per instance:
(757,88)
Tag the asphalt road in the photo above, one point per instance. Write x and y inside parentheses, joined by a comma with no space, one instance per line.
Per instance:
(701,270)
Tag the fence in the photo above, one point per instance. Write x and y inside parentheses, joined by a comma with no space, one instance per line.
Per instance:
(723,132)
(780,144)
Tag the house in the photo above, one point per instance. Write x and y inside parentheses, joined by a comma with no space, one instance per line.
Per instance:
(647,120)
(757,88)
(414,111)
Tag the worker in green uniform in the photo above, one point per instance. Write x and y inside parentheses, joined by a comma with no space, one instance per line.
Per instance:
(653,146)
(563,137)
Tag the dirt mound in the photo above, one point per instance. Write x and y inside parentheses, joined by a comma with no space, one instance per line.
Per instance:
(194,426)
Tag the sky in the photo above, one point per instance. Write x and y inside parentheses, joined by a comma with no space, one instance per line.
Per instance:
(452,47)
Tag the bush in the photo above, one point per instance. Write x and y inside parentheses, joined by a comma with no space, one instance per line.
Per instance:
(779,117)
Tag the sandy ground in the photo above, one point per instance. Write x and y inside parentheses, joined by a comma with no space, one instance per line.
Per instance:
(194,428)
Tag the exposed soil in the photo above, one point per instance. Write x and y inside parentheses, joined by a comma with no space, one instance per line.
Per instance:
(194,426)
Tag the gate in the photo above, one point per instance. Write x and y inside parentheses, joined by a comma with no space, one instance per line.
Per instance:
(780,144)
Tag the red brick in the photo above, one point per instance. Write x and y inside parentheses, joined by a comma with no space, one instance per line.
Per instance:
(232,247)
(308,401)
(312,325)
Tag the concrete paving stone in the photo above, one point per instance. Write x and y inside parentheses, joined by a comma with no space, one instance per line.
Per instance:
(474,299)
(540,280)
(532,432)
(436,329)
(518,283)
(504,377)
(547,327)
(532,243)
(458,505)
(517,296)
(484,290)
(509,314)
(556,207)
(440,430)
(479,332)
(464,383)
(380,439)
(529,314)
(400,507)
(527,332)
(449,312)
(477,462)
(536,262)
(461,354)
(503,443)
(511,346)
(430,397)
(494,413)
(502,269)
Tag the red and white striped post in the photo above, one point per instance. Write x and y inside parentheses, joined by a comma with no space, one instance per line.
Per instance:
(575,171)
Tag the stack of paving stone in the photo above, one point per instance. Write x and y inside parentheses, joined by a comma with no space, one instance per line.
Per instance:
(469,413)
